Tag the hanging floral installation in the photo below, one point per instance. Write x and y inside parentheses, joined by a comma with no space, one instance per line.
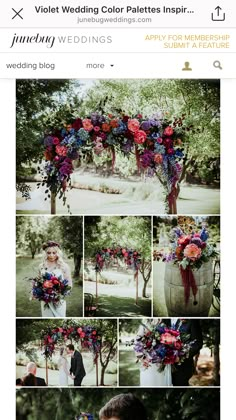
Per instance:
(88,336)
(130,257)
(158,145)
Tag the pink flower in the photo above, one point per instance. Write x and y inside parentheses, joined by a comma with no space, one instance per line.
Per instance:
(168,338)
(170,151)
(140,136)
(159,140)
(192,252)
(139,116)
(88,126)
(168,131)
(56,140)
(61,150)
(158,158)
(96,128)
(133,125)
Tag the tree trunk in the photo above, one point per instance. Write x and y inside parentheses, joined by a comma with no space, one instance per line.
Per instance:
(103,375)
(144,288)
(77,264)
(145,270)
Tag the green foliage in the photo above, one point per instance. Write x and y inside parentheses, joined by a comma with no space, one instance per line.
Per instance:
(127,231)
(40,104)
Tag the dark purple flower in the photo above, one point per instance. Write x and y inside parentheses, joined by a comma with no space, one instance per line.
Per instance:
(146,125)
(146,159)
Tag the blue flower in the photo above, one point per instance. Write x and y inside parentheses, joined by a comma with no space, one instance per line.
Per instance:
(159,148)
(204,235)
(83,134)
(179,153)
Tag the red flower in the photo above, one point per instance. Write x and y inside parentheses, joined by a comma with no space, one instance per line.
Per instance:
(77,124)
(56,140)
(140,137)
(168,131)
(94,332)
(184,240)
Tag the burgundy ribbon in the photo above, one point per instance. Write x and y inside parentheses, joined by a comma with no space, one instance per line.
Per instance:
(188,281)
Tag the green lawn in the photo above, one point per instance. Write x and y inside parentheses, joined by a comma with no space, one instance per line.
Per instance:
(27,267)
(111,306)
(128,369)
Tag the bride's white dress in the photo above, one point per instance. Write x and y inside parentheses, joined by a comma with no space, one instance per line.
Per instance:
(63,367)
(53,310)
(152,377)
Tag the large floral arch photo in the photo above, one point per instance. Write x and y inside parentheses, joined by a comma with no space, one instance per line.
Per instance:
(133,146)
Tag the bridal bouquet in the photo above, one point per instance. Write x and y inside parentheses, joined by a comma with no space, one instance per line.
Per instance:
(50,289)
(162,346)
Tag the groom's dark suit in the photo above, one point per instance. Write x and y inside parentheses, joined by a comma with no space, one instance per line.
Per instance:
(77,368)
(182,373)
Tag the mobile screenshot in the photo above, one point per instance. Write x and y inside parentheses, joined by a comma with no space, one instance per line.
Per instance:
(118,117)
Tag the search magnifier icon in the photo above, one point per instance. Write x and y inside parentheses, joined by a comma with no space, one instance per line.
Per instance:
(217,65)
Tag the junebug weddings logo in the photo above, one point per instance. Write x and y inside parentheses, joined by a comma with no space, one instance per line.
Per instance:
(33,39)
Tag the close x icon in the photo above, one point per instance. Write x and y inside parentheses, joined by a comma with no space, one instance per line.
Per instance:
(17,14)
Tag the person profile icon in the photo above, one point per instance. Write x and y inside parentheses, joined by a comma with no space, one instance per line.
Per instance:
(187,66)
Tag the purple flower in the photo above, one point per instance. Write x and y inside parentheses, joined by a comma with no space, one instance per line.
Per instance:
(146,125)
(146,159)
(196,241)
(48,141)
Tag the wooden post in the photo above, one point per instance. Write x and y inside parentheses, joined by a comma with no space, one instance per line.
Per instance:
(46,370)
(136,277)
(97,372)
(53,203)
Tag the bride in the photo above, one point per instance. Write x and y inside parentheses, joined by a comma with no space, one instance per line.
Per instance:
(151,376)
(53,263)
(63,367)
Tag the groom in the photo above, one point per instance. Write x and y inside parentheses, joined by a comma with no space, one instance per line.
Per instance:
(77,367)
(182,373)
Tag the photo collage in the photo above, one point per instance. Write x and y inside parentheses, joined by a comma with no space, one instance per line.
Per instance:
(118,249)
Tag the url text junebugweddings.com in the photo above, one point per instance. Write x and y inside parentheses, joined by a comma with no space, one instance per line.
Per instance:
(50,40)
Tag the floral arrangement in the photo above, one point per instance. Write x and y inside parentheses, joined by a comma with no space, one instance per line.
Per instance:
(85,416)
(132,258)
(88,336)
(156,142)
(190,251)
(162,346)
(50,289)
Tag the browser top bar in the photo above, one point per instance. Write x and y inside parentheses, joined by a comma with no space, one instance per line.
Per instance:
(107,13)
